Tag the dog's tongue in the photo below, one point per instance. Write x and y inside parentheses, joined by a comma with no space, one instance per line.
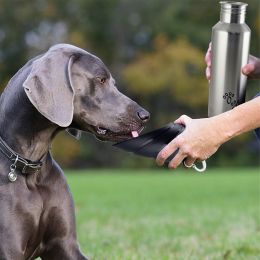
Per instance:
(135,134)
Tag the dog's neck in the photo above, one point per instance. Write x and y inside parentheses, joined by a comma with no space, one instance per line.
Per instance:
(22,127)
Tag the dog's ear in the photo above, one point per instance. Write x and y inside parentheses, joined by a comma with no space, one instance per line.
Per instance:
(49,86)
(74,132)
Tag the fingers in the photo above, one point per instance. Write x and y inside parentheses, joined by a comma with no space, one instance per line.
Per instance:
(208,62)
(169,149)
(166,152)
(177,160)
(189,161)
(208,57)
(252,69)
(248,69)
(208,73)
(183,120)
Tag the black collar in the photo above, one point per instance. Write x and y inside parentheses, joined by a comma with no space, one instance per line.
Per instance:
(25,166)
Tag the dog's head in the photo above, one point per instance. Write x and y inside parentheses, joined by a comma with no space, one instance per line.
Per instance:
(73,88)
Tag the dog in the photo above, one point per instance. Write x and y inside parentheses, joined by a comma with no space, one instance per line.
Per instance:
(64,88)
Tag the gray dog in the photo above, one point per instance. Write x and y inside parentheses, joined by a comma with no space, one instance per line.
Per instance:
(66,87)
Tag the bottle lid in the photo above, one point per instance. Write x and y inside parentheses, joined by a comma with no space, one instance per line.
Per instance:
(233,7)
(233,12)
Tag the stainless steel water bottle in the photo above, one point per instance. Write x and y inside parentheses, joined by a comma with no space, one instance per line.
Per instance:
(230,49)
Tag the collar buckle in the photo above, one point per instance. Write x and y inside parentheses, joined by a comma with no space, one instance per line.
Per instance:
(31,168)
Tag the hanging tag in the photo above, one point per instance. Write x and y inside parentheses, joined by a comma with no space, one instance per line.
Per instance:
(12,176)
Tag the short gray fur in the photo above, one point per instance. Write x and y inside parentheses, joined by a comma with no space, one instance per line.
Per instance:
(58,90)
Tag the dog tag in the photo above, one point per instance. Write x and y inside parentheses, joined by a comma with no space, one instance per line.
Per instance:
(12,176)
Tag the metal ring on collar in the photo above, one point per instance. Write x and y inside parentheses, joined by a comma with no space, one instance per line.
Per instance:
(13,165)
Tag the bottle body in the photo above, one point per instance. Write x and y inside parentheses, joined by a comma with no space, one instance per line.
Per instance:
(230,50)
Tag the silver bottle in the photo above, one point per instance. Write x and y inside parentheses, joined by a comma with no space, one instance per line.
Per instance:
(230,50)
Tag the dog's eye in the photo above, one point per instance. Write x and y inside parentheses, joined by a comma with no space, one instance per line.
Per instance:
(102,80)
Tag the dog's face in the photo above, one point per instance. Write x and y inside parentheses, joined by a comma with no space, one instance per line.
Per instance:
(74,88)
(99,107)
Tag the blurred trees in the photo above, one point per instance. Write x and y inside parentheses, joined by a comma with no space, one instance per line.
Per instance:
(155,49)
(177,67)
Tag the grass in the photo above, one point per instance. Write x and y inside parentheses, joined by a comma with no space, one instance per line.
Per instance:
(161,215)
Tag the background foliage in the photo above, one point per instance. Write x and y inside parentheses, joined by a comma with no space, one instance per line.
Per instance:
(155,49)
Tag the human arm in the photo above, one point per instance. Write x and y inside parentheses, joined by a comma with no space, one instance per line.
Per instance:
(202,137)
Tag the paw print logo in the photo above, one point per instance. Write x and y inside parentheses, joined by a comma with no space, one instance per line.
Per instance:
(233,104)
(229,97)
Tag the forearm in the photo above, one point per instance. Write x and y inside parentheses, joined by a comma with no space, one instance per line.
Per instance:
(202,137)
(241,119)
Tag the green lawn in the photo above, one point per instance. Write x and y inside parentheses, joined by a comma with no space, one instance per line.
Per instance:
(139,214)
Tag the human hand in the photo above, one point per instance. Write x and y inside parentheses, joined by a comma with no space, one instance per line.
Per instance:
(251,70)
(200,139)
(208,62)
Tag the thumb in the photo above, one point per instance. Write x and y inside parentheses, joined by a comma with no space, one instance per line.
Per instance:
(248,69)
(183,120)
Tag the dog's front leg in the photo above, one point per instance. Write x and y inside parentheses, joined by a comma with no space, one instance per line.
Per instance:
(62,250)
(58,226)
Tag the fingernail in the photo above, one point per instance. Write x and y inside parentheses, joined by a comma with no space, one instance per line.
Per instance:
(158,161)
(245,70)
(170,166)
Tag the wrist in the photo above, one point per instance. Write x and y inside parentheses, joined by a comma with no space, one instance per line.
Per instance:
(227,126)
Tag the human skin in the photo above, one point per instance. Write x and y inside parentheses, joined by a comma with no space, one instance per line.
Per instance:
(202,137)
(251,70)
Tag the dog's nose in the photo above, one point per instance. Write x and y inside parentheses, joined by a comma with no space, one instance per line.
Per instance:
(143,115)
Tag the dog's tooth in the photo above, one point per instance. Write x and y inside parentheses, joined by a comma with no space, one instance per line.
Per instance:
(135,134)
(101,131)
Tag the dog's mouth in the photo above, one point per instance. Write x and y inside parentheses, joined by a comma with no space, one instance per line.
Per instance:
(106,134)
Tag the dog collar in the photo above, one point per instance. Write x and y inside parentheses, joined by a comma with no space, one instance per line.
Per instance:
(25,166)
